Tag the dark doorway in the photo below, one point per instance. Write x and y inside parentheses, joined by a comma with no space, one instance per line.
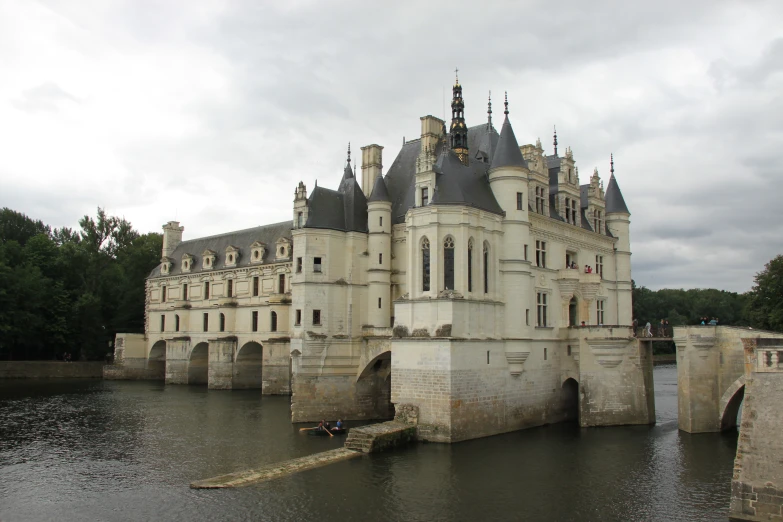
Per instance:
(570,394)
(572,313)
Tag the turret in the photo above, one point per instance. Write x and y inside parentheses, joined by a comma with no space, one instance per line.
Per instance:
(618,221)
(172,237)
(508,173)
(379,247)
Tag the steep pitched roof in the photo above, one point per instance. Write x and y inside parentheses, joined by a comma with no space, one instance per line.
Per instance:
(344,209)
(507,153)
(242,239)
(379,191)
(614,198)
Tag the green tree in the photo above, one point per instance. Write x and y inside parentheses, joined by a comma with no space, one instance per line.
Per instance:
(765,302)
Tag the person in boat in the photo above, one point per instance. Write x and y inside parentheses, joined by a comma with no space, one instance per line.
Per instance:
(320,426)
(339,425)
(327,426)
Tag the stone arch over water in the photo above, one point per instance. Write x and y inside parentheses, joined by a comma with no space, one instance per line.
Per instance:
(570,394)
(373,387)
(248,367)
(156,361)
(730,404)
(198,367)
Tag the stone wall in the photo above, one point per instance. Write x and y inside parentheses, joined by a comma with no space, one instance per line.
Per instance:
(50,370)
(757,482)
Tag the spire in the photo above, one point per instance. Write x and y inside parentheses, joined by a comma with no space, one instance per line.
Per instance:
(506,104)
(459,131)
(507,153)
(489,111)
(611,164)
(379,191)
(348,173)
(555,140)
(613,196)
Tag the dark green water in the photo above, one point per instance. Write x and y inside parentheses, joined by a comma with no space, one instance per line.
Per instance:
(94,450)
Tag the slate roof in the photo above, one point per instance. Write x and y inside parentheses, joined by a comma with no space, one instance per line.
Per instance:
(614,198)
(508,153)
(344,209)
(379,191)
(242,239)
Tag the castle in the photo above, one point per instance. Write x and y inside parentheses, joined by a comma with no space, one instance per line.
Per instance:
(477,283)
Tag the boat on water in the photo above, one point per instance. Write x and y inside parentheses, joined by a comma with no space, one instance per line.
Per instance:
(322,433)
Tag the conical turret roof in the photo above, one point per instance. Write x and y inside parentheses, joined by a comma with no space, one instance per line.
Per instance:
(507,153)
(379,191)
(614,198)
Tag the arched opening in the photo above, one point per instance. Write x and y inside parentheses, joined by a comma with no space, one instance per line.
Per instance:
(373,388)
(729,419)
(570,394)
(425,265)
(156,362)
(572,318)
(248,367)
(273,322)
(448,263)
(198,368)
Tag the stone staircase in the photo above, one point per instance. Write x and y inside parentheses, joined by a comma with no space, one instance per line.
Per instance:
(359,441)
(379,437)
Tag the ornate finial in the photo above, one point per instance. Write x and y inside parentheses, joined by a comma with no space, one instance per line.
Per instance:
(456,76)
(506,104)
(354,165)
(349,153)
(489,111)
(611,163)
(555,140)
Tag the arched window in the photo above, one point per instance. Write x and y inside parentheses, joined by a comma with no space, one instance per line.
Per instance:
(448,263)
(470,265)
(274,322)
(486,267)
(425,265)
(222,323)
(176,323)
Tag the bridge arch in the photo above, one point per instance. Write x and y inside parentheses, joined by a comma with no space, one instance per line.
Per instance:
(248,367)
(156,361)
(373,387)
(198,366)
(730,404)
(570,394)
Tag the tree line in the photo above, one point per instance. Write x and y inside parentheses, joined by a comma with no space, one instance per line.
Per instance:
(70,291)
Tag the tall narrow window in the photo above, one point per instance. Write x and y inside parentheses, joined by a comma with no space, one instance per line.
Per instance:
(206,289)
(298,265)
(206,322)
(519,201)
(545,354)
(298,317)
(541,308)
(316,317)
(470,265)
(527,316)
(525,252)
(486,268)
(222,323)
(379,302)
(176,323)
(230,290)
(599,265)
(380,221)
(448,263)
(185,292)
(162,323)
(273,322)
(425,265)
(599,312)
(541,253)
(163,294)
(255,321)
(299,217)
(281,283)
(380,259)
(425,197)
(255,286)
(573,211)
(317,264)
(567,210)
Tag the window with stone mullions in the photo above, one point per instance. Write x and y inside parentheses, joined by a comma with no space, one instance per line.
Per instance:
(448,263)
(541,306)
(599,265)
(541,253)
(599,312)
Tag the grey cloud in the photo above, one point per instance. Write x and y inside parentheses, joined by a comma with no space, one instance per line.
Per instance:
(47,97)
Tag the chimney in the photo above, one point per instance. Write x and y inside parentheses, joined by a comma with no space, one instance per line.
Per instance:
(431,132)
(172,237)
(372,166)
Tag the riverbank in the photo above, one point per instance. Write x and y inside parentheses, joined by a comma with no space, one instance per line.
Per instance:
(51,370)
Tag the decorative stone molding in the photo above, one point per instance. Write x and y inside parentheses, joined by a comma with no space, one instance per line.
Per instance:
(515,361)
(257,252)
(232,256)
(208,259)
(449,294)
(702,344)
(609,353)
(188,260)
(165,265)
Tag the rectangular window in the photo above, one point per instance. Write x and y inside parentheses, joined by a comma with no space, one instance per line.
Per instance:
(255,286)
(299,217)
(486,269)
(298,318)
(527,316)
(230,286)
(425,197)
(487,356)
(541,253)
(569,350)
(470,268)
(317,264)
(380,259)
(316,317)
(599,316)
(163,294)
(541,308)
(185,292)
(222,323)
(379,302)
(599,265)
(298,265)
(281,283)
(206,322)
(255,321)
(162,323)
(545,354)
(206,289)
(380,221)
(519,201)
(525,252)
(176,323)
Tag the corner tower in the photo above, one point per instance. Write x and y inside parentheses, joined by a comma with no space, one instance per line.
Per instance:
(459,131)
(618,221)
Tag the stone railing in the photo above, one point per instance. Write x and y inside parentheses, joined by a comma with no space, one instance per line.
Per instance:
(376,331)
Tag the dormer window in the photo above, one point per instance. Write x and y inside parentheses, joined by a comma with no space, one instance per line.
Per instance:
(232,255)
(165,265)
(187,262)
(283,248)
(208,258)
(257,252)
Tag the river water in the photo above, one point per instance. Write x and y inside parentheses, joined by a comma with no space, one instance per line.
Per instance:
(112,450)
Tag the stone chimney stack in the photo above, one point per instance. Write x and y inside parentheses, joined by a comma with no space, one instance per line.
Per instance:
(300,206)
(372,166)
(172,237)
(431,132)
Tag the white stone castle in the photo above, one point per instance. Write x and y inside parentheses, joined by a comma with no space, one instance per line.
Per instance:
(476,281)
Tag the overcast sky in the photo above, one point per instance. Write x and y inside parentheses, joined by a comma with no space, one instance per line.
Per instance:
(211,112)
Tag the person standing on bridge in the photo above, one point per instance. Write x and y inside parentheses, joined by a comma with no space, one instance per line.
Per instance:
(648,330)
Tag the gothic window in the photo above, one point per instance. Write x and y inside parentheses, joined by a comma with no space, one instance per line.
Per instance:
(470,265)
(486,267)
(541,319)
(448,263)
(176,323)
(273,320)
(425,265)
